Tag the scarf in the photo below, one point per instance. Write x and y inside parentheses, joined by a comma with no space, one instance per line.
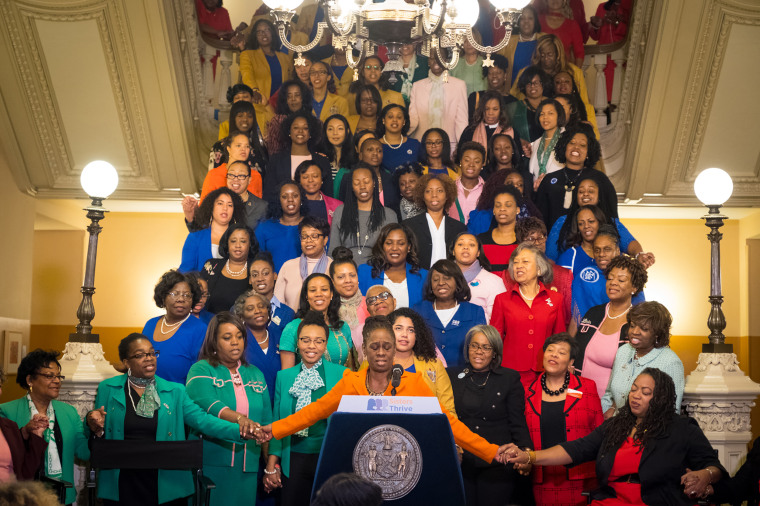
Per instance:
(321,266)
(406,78)
(480,136)
(471,273)
(52,459)
(307,381)
(149,401)
(544,153)
(349,309)
(436,101)
(409,209)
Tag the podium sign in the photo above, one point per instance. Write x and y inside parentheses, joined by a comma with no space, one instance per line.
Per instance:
(404,444)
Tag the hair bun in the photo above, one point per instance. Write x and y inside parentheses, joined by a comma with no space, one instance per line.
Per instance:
(342,254)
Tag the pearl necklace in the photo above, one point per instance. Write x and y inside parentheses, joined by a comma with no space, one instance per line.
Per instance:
(387,143)
(523,39)
(265,339)
(171,326)
(235,273)
(525,296)
(607,312)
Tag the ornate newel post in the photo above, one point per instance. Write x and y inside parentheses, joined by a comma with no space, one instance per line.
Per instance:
(717,393)
(83,363)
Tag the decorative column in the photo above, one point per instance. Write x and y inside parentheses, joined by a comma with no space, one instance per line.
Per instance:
(600,89)
(83,363)
(717,393)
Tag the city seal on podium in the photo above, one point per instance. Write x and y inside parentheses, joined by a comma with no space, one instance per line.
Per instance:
(389,456)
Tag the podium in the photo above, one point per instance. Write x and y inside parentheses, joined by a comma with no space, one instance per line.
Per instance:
(404,444)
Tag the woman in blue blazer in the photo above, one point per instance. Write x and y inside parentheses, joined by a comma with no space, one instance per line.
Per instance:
(292,460)
(39,373)
(157,410)
(395,264)
(447,310)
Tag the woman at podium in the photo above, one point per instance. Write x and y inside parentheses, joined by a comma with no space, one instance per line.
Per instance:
(379,349)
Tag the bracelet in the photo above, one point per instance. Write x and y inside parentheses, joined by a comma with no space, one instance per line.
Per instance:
(276,470)
(711,475)
(531,456)
(636,257)
(238,418)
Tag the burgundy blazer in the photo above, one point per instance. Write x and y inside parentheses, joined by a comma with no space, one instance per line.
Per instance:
(26,455)
(582,415)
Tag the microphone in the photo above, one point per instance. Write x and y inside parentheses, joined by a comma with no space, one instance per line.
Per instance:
(396,373)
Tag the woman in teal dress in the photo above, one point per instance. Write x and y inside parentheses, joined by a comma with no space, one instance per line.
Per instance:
(141,407)
(318,294)
(39,373)
(224,385)
(293,460)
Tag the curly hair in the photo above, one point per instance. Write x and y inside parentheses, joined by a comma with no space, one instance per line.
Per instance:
(526,226)
(450,269)
(480,110)
(510,190)
(210,345)
(206,210)
(637,271)
(380,129)
(424,346)
(281,107)
(406,168)
(446,160)
(373,323)
(594,148)
(236,89)
(655,317)
(484,263)
(494,183)
(656,421)
(33,362)
(570,234)
(331,88)
(313,318)
(449,187)
(275,207)
(463,147)
(169,280)
(499,61)
(315,130)
(238,308)
(377,259)
(527,76)
(253,245)
(333,308)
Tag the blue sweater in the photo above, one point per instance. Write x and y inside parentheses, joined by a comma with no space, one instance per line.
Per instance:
(553,251)
(414,282)
(196,250)
(590,289)
(268,363)
(450,338)
(282,241)
(179,352)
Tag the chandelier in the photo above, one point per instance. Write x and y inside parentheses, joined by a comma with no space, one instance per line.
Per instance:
(363,25)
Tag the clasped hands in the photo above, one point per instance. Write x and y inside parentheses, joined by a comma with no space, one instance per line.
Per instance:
(512,454)
(697,483)
(36,425)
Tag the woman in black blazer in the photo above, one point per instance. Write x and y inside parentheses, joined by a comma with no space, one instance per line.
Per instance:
(644,453)
(302,132)
(491,403)
(435,193)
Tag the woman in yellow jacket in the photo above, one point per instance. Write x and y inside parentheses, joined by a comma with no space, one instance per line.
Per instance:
(416,352)
(325,102)
(371,72)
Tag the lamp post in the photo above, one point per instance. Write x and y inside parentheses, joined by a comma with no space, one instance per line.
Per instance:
(713,188)
(717,393)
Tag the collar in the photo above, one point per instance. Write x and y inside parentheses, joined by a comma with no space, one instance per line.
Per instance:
(516,288)
(275,302)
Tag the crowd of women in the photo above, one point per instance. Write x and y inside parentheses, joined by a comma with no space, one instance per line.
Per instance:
(458,225)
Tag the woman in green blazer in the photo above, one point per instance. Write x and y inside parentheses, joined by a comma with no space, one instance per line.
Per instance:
(39,373)
(140,406)
(297,387)
(224,385)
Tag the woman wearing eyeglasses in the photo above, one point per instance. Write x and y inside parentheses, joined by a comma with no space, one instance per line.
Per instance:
(292,461)
(175,333)
(325,102)
(371,73)
(39,373)
(314,234)
(490,401)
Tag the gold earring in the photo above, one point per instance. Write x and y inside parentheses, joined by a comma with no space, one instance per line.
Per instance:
(31,389)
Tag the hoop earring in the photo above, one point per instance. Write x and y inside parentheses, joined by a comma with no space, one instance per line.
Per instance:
(129,371)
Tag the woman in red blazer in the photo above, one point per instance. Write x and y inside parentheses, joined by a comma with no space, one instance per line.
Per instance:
(559,407)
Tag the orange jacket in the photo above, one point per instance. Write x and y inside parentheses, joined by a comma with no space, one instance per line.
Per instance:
(354,383)
(217,178)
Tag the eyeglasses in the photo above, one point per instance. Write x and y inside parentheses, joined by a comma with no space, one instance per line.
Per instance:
(366,100)
(485,348)
(317,72)
(536,240)
(180,295)
(319,341)
(434,143)
(239,177)
(50,376)
(142,356)
(371,301)
(372,67)
(534,83)
(312,237)
(204,295)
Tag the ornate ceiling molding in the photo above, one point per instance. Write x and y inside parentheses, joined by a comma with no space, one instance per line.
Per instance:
(718,19)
